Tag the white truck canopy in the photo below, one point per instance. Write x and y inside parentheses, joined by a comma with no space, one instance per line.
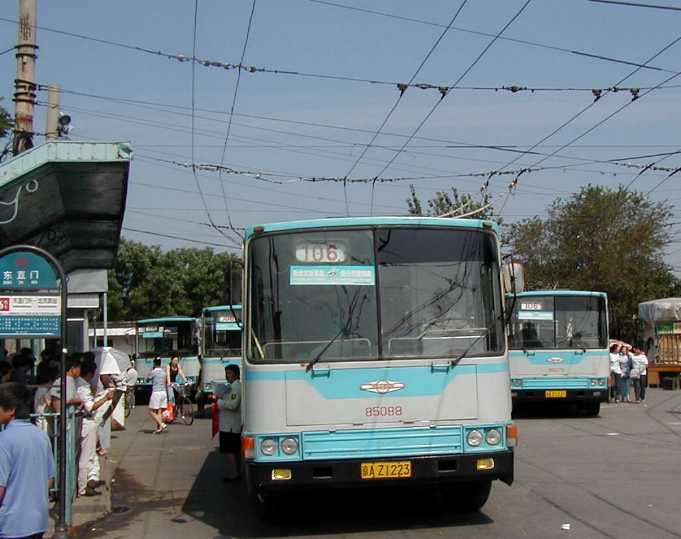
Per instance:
(660,310)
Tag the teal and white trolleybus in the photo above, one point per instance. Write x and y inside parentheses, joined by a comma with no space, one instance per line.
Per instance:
(166,337)
(559,347)
(221,344)
(375,352)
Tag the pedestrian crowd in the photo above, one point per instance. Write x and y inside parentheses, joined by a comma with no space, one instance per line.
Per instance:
(30,395)
(628,373)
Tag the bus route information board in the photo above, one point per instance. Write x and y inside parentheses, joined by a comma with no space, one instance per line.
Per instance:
(30,298)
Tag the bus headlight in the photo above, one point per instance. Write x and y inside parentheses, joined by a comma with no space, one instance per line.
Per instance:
(493,437)
(474,438)
(268,447)
(289,446)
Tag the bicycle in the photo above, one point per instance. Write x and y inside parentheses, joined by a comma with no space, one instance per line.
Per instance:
(184,406)
(129,402)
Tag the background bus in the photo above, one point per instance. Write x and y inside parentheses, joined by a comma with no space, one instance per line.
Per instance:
(375,351)
(166,337)
(559,347)
(221,344)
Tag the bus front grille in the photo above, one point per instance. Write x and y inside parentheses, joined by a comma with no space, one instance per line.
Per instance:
(377,443)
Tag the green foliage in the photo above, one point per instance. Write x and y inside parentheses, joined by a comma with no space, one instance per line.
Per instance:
(603,239)
(449,204)
(6,122)
(147,282)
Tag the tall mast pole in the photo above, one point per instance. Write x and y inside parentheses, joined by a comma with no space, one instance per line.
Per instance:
(24,83)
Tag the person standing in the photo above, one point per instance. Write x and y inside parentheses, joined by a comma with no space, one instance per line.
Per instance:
(107,376)
(88,462)
(230,420)
(643,360)
(174,370)
(42,399)
(635,373)
(72,372)
(26,467)
(159,395)
(130,378)
(625,366)
(615,372)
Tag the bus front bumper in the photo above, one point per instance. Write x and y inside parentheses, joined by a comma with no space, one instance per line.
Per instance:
(347,473)
(558,395)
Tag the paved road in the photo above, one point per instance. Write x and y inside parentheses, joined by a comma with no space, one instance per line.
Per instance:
(617,476)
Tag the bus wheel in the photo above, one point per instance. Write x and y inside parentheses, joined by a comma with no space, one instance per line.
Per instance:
(592,408)
(469,497)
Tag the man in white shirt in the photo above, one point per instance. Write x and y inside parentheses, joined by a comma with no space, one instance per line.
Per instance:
(230,420)
(107,376)
(88,463)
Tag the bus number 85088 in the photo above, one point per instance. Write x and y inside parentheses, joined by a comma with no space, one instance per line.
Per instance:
(383,411)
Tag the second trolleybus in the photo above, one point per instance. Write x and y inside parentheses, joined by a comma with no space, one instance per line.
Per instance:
(559,347)
(166,337)
(221,344)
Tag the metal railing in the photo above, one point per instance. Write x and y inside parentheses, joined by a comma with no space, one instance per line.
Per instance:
(49,422)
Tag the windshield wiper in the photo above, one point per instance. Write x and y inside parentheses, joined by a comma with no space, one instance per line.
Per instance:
(344,329)
(313,362)
(456,361)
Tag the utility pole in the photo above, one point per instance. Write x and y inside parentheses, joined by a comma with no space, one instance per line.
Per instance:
(52,131)
(24,83)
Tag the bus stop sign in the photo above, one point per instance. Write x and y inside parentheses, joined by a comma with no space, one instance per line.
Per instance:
(30,296)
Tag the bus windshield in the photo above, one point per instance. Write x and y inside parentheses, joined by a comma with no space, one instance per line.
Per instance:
(384,293)
(222,333)
(165,340)
(558,322)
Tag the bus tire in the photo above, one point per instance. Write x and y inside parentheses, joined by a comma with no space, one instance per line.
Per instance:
(469,497)
(592,408)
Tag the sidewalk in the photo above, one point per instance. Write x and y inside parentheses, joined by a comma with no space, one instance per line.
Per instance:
(166,485)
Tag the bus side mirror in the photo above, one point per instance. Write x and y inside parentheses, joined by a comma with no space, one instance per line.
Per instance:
(512,277)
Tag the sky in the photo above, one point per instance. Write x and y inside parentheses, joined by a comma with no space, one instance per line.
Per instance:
(286,127)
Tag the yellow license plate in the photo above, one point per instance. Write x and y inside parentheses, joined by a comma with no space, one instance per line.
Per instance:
(386,470)
(555,394)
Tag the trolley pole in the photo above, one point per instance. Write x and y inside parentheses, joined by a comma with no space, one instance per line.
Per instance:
(24,83)
(52,131)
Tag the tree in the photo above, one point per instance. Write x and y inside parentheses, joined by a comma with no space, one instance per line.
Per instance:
(450,205)
(606,239)
(6,122)
(148,282)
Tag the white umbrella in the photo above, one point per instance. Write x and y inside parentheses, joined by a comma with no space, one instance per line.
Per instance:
(111,361)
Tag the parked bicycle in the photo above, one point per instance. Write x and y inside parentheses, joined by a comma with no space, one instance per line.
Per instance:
(129,401)
(184,405)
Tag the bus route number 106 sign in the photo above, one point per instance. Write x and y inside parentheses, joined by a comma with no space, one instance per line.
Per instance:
(320,253)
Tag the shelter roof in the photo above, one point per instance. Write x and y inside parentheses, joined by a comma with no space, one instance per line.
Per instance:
(67,197)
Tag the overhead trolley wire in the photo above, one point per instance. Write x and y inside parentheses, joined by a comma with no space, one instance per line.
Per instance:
(442,97)
(401,86)
(197,181)
(486,34)
(182,238)
(154,106)
(598,124)
(231,112)
(396,104)
(636,4)
(207,63)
